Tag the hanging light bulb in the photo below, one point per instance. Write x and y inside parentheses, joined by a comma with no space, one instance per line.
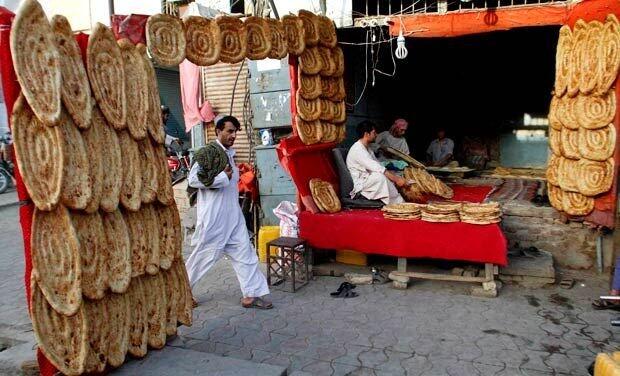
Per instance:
(401,51)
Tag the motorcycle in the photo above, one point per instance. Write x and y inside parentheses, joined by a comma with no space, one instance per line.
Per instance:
(178,163)
(6,165)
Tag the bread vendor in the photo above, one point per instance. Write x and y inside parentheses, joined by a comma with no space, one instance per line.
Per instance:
(394,138)
(370,178)
(440,152)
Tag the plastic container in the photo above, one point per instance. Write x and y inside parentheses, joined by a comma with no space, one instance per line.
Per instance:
(345,256)
(265,235)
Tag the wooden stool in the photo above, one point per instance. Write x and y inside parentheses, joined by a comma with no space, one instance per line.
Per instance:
(288,265)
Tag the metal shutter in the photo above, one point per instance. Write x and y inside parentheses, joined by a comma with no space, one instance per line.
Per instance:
(170,94)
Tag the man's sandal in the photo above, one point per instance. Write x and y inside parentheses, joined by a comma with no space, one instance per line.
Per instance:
(258,303)
(601,304)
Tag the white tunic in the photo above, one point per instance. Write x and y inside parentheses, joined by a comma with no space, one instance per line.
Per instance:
(386,139)
(368,176)
(221,229)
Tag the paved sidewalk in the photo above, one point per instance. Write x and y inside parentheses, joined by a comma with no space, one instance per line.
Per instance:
(8,198)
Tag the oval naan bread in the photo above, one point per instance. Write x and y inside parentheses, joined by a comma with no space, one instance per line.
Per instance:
(112,162)
(309,132)
(76,185)
(311,27)
(567,174)
(593,177)
(575,203)
(310,61)
(118,247)
(580,35)
(570,143)
(93,253)
(138,241)
(591,57)
(234,39)
(136,85)
(36,61)
(149,171)
(39,151)
(139,321)
(610,55)
(553,169)
(554,121)
(327,32)
(61,338)
(599,144)
(131,190)
(592,112)
(338,57)
(309,85)
(258,38)
(150,225)
(93,140)
(555,141)
(166,231)
(203,40)
(165,194)
(98,329)
(184,305)
(154,122)
(279,47)
(157,305)
(172,300)
(562,60)
(106,71)
(325,196)
(294,33)
(56,259)
(165,38)
(120,309)
(75,90)
(556,196)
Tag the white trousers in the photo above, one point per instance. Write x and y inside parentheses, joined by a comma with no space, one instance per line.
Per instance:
(244,260)
(378,187)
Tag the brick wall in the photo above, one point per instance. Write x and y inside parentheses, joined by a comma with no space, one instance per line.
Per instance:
(573,245)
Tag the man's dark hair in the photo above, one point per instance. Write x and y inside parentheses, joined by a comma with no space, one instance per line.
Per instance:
(222,122)
(364,127)
(165,110)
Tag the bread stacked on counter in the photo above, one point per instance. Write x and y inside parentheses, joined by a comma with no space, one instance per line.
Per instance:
(582,135)
(446,212)
(108,276)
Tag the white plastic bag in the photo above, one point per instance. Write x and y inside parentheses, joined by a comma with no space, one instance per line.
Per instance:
(286,211)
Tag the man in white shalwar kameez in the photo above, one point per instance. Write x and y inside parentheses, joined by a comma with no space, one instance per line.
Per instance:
(221,228)
(370,178)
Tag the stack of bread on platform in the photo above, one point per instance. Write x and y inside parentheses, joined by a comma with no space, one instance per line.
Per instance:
(480,213)
(582,133)
(441,212)
(446,212)
(424,183)
(108,276)
(403,211)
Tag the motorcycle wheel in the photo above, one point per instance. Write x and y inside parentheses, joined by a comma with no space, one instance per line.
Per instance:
(4,182)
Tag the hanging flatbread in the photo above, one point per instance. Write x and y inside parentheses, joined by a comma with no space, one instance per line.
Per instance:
(340,112)
(325,196)
(204,42)
(93,140)
(295,34)
(553,169)
(61,338)
(591,58)
(599,144)
(112,162)
(326,111)
(342,133)
(337,90)
(556,196)
(327,32)
(594,112)
(120,309)
(93,253)
(329,132)
(311,27)
(328,87)
(309,85)
(165,194)
(165,38)
(328,65)
(570,143)
(138,323)
(167,234)
(154,120)
(118,247)
(151,227)
(555,141)
(279,46)
(156,310)
(609,55)
(98,328)
(580,35)
(178,232)
(562,60)
(77,187)
(56,259)
(42,173)
(309,132)
(75,90)
(149,169)
(338,57)
(131,190)
(138,242)
(575,203)
(594,177)
(106,71)
(234,39)
(259,38)
(567,174)
(36,61)
(184,306)
(567,112)
(554,121)
(308,110)
(172,299)
(136,86)
(310,61)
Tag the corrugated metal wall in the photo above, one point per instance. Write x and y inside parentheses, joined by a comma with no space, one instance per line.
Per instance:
(218,82)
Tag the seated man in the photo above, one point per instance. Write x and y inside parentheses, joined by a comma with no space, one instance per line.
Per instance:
(440,151)
(394,138)
(370,178)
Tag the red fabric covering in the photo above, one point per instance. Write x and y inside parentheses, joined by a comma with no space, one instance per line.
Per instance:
(368,232)
(247,180)
(131,27)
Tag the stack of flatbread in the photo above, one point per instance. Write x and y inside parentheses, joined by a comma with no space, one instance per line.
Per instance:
(108,276)
(425,182)
(582,134)
(442,212)
(403,211)
(481,213)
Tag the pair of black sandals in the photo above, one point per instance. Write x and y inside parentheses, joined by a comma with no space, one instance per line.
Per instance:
(345,290)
